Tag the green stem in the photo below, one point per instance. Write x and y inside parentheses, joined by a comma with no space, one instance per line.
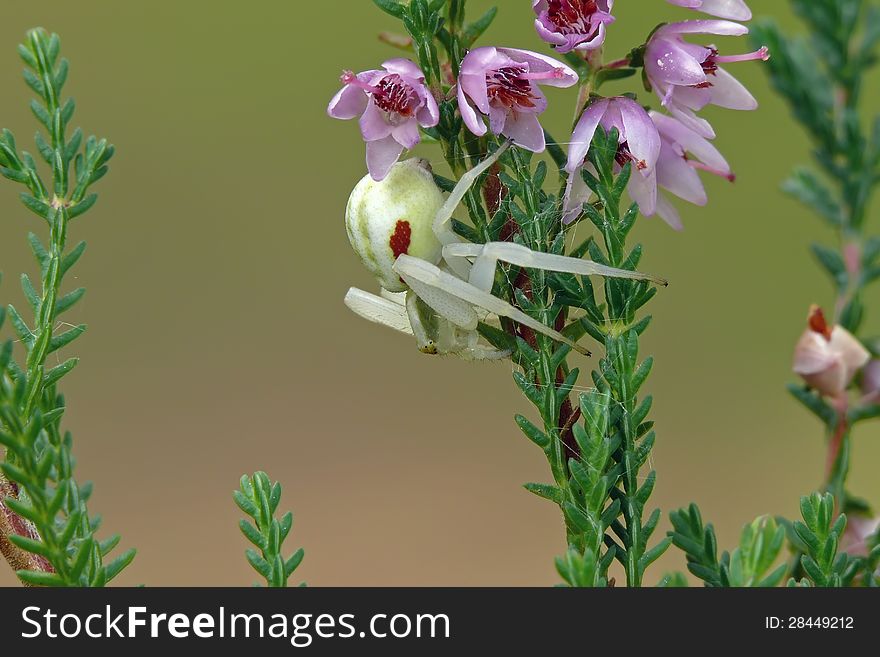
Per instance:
(52,275)
(547,373)
(632,511)
(588,85)
(43,329)
(838,460)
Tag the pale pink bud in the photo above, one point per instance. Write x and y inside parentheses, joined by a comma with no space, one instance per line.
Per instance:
(852,257)
(858,533)
(871,382)
(828,358)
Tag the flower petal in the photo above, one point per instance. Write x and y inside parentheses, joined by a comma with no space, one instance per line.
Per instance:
(721,28)
(497,119)
(429,115)
(852,353)
(539,63)
(667,62)
(859,530)
(830,383)
(687,116)
(576,194)
(812,354)
(735,10)
(871,379)
(526,131)
(407,133)
(641,133)
(583,134)
(729,92)
(691,142)
(471,119)
(643,190)
(669,213)
(674,174)
(403,67)
(693,98)
(551,37)
(348,103)
(595,42)
(381,156)
(472,78)
(374,123)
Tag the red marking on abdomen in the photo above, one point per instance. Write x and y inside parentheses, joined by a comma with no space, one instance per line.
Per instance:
(401,238)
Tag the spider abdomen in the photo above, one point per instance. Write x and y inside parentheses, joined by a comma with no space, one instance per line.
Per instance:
(394,217)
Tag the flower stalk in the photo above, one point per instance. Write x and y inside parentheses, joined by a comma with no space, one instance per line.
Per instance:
(826,100)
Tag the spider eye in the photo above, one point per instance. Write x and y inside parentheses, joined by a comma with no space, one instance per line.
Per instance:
(430,349)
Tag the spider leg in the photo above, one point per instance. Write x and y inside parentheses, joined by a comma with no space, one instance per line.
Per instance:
(398,298)
(441,226)
(378,310)
(486,256)
(480,352)
(444,214)
(454,299)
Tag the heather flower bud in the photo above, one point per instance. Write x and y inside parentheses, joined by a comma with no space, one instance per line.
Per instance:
(828,358)
(859,532)
(393,217)
(871,382)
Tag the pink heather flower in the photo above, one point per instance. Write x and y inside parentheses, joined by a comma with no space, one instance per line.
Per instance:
(871,382)
(392,104)
(682,154)
(860,529)
(828,358)
(735,10)
(639,143)
(502,83)
(573,24)
(688,77)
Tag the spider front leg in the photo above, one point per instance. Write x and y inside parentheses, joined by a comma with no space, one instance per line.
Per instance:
(456,299)
(441,227)
(486,257)
(379,310)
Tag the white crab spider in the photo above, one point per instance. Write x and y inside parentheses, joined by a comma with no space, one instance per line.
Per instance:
(434,286)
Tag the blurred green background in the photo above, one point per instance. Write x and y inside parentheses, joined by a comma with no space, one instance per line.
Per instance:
(218,342)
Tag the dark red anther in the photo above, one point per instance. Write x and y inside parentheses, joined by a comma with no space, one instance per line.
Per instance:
(624,155)
(572,16)
(710,66)
(392,94)
(508,87)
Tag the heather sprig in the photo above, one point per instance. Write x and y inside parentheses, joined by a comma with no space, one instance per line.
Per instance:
(598,438)
(822,76)
(259,498)
(751,564)
(820,533)
(48,535)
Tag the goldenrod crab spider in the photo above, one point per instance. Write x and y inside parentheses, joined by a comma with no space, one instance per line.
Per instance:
(434,286)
